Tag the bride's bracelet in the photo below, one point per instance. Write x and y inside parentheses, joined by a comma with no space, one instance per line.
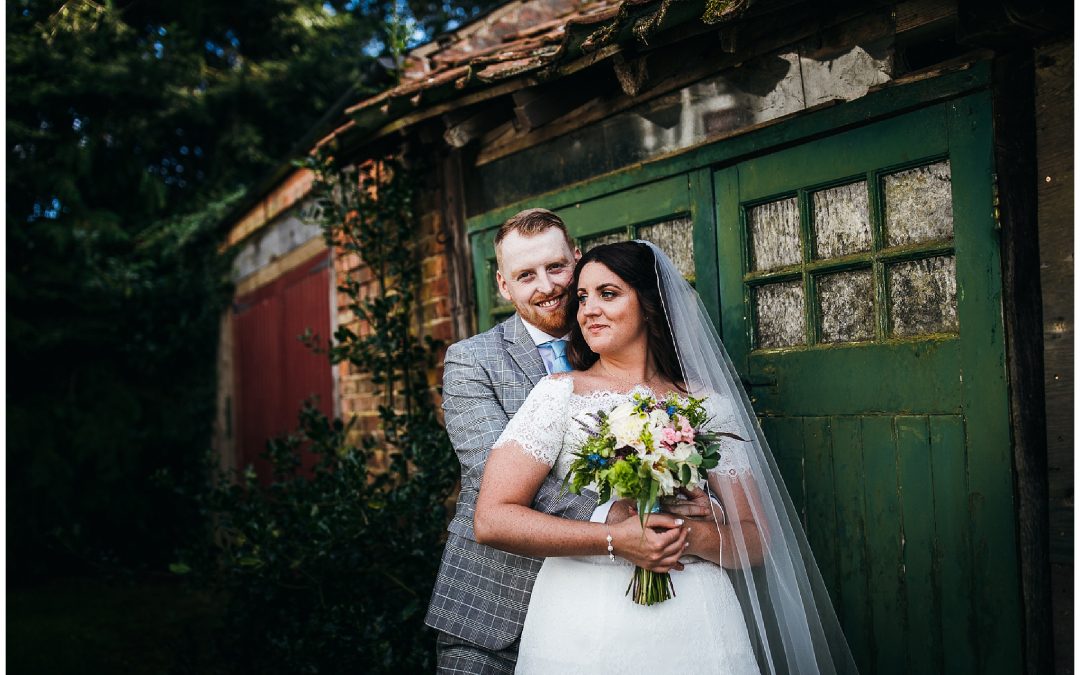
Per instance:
(610,548)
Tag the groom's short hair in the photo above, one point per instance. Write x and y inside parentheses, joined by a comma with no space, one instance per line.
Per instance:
(528,223)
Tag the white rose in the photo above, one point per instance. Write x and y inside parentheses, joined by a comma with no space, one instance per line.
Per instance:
(626,424)
(622,411)
(682,452)
(658,419)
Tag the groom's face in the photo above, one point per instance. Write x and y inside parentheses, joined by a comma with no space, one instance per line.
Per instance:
(534,274)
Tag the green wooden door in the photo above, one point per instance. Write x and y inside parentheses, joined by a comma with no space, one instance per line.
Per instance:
(860,291)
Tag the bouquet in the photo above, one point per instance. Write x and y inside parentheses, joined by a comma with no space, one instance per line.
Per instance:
(645,449)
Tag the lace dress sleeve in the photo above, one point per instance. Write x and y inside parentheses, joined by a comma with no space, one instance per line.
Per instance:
(733,457)
(539,425)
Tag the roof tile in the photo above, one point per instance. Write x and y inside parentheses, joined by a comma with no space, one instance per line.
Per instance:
(519,37)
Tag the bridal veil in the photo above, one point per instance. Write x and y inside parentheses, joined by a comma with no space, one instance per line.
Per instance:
(787,609)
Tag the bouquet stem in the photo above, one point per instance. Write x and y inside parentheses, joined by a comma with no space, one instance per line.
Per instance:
(650,588)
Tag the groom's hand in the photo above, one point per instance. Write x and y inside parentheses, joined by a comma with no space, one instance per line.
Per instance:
(696,505)
(621,510)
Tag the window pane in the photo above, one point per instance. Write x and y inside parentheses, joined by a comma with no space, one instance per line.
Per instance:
(918,205)
(922,296)
(846,306)
(779,317)
(842,220)
(676,238)
(609,238)
(774,234)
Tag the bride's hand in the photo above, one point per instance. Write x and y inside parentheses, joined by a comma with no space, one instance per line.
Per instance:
(657,548)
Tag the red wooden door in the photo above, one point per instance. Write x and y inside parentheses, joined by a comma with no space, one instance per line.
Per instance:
(275,371)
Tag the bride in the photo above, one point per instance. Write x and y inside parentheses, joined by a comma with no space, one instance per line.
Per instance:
(748,597)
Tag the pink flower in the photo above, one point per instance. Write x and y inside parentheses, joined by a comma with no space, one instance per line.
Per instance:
(671,437)
(687,432)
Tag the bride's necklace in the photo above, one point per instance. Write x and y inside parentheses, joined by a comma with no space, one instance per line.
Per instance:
(624,381)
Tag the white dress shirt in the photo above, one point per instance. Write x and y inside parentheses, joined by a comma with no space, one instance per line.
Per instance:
(539,337)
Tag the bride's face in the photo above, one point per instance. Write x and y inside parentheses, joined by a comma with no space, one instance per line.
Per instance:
(609,312)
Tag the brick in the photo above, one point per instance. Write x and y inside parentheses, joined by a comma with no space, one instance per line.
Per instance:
(433,266)
(443,331)
(435,310)
(350,261)
(436,287)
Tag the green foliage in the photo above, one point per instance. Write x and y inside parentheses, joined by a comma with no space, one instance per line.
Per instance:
(133,128)
(331,572)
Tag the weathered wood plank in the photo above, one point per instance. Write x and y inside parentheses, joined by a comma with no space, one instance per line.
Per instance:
(821,502)
(1054,124)
(785,435)
(706,255)
(1014,144)
(952,543)
(458,251)
(917,488)
(883,537)
(851,535)
(914,14)
(1054,132)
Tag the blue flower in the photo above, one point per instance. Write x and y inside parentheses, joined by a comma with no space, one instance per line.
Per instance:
(671,410)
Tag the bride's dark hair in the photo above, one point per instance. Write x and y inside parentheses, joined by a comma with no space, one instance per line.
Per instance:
(633,263)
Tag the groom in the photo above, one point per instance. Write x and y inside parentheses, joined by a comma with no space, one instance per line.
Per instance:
(481,594)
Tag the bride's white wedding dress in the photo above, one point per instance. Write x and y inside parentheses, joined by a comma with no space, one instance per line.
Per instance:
(580,619)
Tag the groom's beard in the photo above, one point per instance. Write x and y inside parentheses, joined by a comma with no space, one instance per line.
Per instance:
(553,322)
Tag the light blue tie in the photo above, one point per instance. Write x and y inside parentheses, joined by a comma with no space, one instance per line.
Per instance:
(561,364)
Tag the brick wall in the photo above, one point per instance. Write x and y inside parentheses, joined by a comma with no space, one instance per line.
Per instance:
(357,393)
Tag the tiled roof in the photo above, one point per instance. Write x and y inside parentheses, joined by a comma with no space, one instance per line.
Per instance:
(533,37)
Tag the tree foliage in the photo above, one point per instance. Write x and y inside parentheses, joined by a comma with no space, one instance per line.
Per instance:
(133,129)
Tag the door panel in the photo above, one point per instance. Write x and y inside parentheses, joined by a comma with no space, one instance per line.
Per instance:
(275,371)
(860,293)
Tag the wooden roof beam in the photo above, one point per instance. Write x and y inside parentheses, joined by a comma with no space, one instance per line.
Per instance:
(460,131)
(536,106)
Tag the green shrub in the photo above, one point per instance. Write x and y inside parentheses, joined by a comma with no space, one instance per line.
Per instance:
(331,571)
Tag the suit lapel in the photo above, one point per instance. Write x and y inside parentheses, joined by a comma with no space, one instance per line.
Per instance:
(523,350)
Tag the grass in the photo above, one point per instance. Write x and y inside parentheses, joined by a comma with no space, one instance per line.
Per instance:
(89,626)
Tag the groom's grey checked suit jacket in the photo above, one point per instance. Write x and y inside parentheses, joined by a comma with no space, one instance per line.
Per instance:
(481,594)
